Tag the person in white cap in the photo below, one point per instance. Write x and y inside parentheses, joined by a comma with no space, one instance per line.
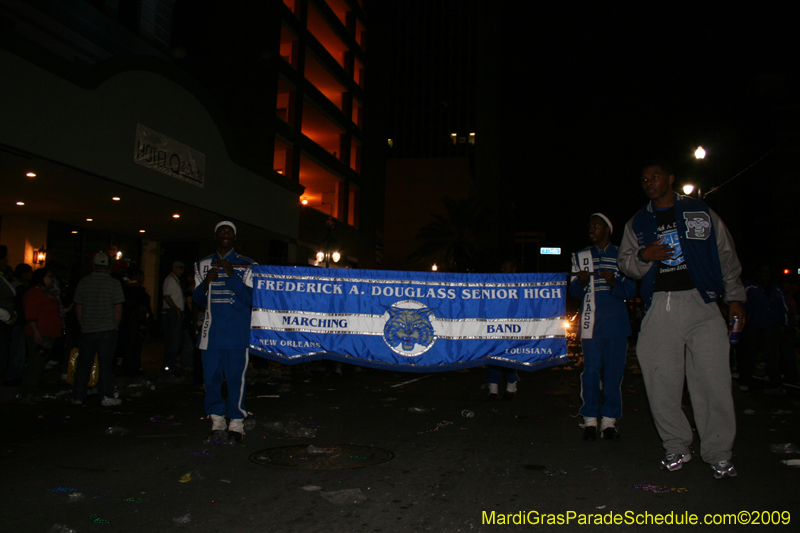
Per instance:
(98,308)
(221,286)
(604,328)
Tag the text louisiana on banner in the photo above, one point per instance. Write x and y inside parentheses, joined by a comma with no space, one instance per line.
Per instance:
(408,321)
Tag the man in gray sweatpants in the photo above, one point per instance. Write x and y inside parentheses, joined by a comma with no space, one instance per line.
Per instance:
(686,259)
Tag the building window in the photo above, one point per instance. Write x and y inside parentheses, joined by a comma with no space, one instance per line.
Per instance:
(318,126)
(352,213)
(321,78)
(324,189)
(340,9)
(358,113)
(289,46)
(282,160)
(326,35)
(355,156)
(292,5)
(285,105)
(358,73)
(471,138)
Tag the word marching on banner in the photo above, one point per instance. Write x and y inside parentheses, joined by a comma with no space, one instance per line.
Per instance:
(408,321)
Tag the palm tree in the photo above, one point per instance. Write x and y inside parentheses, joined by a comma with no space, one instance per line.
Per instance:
(463,234)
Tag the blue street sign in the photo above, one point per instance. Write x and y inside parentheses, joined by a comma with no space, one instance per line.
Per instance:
(550,251)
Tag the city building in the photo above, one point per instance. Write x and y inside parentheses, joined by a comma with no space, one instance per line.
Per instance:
(135,125)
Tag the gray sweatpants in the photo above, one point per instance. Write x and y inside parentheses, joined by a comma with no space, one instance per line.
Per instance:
(681,334)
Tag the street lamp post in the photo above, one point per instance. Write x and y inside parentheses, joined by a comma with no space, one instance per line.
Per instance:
(700,153)
(330,248)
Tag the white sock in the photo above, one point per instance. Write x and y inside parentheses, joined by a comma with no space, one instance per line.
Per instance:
(492,388)
(237,425)
(608,423)
(511,387)
(218,423)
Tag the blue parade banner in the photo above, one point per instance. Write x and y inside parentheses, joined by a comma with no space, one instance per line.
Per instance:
(408,321)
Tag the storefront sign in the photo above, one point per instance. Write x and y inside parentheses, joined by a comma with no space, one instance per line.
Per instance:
(159,152)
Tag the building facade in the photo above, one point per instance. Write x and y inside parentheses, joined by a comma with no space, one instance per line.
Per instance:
(146,121)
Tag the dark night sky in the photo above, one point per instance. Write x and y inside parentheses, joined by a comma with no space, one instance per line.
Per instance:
(589,94)
(580,96)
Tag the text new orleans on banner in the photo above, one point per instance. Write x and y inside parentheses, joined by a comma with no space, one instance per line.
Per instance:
(408,321)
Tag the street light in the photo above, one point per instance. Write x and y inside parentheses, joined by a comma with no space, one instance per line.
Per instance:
(687,189)
(700,153)
(330,247)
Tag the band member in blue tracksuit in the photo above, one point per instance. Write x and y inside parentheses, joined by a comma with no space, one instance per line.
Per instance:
(221,286)
(604,327)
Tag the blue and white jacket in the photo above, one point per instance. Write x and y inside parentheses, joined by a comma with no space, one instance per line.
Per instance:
(611,312)
(226,325)
(706,244)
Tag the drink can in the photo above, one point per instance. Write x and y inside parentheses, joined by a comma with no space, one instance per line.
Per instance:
(735,329)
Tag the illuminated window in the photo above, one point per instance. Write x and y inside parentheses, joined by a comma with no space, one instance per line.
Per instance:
(360,35)
(454,138)
(282,160)
(284,108)
(324,190)
(355,156)
(323,80)
(358,73)
(391,143)
(358,113)
(352,213)
(319,127)
(289,46)
(471,138)
(326,35)
(340,9)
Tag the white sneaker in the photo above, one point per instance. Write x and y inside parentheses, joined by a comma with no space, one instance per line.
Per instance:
(110,402)
(724,469)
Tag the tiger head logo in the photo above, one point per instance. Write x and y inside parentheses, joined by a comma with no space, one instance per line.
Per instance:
(408,330)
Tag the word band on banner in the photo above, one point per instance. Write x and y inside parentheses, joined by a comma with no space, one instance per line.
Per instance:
(408,321)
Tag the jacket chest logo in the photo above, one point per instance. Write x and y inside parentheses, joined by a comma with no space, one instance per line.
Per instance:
(698,225)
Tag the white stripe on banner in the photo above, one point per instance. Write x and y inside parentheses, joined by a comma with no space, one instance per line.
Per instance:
(358,324)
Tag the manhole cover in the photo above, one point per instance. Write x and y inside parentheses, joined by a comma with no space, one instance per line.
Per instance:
(322,457)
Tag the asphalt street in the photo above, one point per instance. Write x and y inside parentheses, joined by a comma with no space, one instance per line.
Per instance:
(511,461)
